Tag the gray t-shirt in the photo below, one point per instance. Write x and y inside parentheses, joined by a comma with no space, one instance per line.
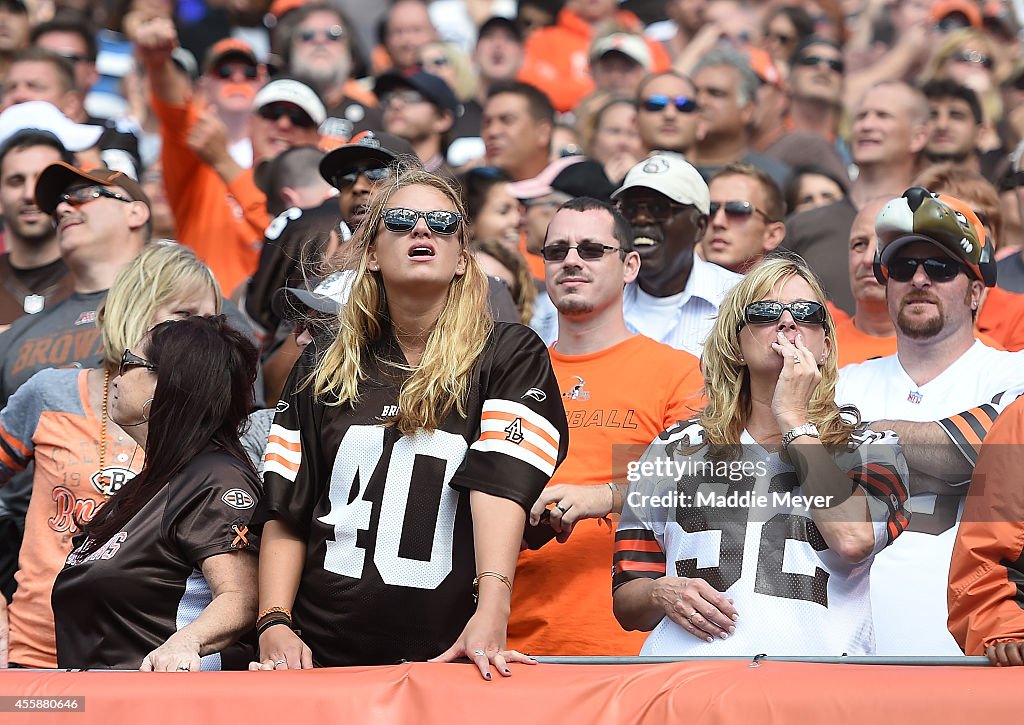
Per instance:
(1010,274)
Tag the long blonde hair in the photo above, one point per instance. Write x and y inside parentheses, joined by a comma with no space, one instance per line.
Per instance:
(727,382)
(163,271)
(440,382)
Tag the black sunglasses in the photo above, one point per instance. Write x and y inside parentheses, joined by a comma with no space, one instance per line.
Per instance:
(811,60)
(226,71)
(659,102)
(297,116)
(938,269)
(375,173)
(659,209)
(332,34)
(85,194)
(589,251)
(130,360)
(439,221)
(736,208)
(764,312)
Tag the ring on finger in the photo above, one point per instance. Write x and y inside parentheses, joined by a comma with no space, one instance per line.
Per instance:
(280,662)
(563,510)
(183,668)
(796,359)
(479,653)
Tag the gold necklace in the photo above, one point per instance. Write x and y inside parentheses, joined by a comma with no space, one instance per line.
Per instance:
(100,477)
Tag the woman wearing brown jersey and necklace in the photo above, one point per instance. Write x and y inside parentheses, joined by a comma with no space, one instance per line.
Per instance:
(59,420)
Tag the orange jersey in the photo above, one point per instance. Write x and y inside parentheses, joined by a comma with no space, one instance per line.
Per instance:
(617,401)
(223,223)
(49,420)
(986,602)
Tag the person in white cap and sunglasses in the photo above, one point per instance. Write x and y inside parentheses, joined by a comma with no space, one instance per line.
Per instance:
(676,295)
(218,209)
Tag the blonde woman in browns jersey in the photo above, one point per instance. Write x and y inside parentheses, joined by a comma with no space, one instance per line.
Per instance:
(406,451)
(751,529)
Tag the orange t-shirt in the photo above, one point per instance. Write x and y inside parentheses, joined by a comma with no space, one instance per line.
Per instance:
(222,223)
(534,262)
(616,401)
(50,420)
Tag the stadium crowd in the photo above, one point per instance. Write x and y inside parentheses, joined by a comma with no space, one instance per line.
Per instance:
(345,333)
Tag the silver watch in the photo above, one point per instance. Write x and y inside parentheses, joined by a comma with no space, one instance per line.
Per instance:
(807,429)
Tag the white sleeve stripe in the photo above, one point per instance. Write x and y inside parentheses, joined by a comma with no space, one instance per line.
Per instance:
(521,411)
(287,435)
(273,466)
(499,426)
(511,449)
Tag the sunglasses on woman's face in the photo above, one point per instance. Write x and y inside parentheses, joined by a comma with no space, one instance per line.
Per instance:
(938,269)
(130,360)
(767,311)
(439,221)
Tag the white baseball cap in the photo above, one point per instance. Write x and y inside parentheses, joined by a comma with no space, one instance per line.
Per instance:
(671,175)
(287,90)
(632,46)
(47,117)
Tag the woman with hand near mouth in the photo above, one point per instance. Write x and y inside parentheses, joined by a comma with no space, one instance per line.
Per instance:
(771,551)
(404,456)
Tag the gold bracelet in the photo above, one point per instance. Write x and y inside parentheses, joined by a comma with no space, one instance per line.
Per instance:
(476,583)
(270,610)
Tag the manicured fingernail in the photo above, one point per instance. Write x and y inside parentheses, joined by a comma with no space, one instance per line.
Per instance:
(710,638)
(487,675)
(724,635)
(735,617)
(507,671)
(732,630)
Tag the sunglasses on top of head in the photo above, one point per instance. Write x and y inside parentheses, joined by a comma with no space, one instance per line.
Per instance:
(659,102)
(439,221)
(765,312)
(275,111)
(589,251)
(130,360)
(938,269)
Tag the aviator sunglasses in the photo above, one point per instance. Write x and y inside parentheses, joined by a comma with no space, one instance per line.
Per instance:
(589,251)
(438,221)
(764,312)
(938,269)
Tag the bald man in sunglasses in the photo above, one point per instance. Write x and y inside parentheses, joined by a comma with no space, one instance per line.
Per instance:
(934,258)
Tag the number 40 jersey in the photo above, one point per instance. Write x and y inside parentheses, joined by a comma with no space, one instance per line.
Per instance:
(745,528)
(386,517)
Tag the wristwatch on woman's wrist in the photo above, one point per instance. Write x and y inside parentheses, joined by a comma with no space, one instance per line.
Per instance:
(807,429)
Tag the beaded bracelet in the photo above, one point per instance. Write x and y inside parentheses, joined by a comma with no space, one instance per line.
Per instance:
(270,610)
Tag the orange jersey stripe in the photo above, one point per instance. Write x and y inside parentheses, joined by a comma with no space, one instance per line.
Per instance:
(283,461)
(525,445)
(624,545)
(651,566)
(498,415)
(966,431)
(283,443)
(14,442)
